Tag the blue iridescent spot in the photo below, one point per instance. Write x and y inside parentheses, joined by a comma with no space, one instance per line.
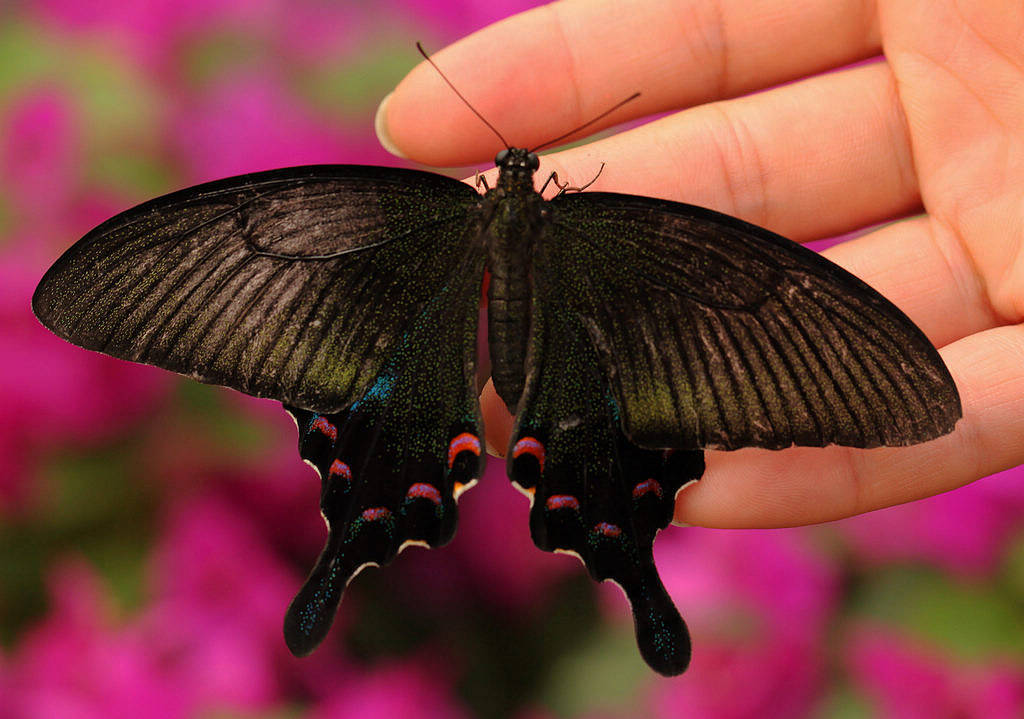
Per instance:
(614,407)
(380,389)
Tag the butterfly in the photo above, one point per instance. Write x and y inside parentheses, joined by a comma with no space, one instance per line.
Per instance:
(627,334)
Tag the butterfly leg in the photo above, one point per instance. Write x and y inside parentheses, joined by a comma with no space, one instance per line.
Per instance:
(564,187)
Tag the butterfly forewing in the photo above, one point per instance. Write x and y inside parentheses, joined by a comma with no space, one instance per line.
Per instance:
(290,284)
(717,333)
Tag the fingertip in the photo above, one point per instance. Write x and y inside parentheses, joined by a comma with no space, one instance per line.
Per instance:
(424,120)
(429,122)
(380,126)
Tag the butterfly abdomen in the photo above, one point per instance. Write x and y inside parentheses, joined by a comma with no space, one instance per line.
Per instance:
(508,324)
(510,241)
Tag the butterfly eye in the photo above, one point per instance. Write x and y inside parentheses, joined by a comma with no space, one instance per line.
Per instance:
(532,161)
(500,158)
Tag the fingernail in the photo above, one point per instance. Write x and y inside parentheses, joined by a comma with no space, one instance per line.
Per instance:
(380,126)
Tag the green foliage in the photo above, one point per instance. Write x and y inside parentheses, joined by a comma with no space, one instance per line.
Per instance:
(969,619)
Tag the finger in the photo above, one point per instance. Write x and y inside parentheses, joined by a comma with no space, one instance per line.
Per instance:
(548,70)
(809,160)
(758,488)
(925,275)
(904,263)
(960,69)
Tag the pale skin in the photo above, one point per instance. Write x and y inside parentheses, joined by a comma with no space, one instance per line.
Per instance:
(934,133)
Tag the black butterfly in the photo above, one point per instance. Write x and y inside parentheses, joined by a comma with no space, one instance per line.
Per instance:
(626,334)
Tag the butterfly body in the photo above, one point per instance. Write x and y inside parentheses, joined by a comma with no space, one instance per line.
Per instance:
(515,211)
(626,333)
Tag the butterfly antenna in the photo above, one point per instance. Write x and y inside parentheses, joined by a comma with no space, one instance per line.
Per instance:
(588,123)
(460,96)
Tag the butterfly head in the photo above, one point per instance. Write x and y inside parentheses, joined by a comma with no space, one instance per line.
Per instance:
(517,167)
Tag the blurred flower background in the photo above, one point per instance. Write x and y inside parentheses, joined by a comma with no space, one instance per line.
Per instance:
(152,531)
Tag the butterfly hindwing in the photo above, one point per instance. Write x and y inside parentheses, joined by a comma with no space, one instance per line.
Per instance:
(717,333)
(594,493)
(290,284)
(393,463)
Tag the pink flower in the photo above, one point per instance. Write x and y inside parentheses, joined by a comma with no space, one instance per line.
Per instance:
(909,681)
(79,664)
(965,530)
(764,678)
(41,156)
(251,122)
(464,16)
(757,604)
(267,483)
(408,690)
(320,32)
(778,574)
(220,598)
(55,394)
(151,30)
(494,548)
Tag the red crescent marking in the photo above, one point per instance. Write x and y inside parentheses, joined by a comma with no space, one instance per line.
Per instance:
(562,501)
(531,446)
(646,486)
(421,490)
(322,425)
(374,513)
(340,469)
(465,442)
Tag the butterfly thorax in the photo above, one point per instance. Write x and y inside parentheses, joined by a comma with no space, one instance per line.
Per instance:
(514,208)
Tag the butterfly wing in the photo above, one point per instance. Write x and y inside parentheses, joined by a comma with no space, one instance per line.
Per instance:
(351,294)
(394,463)
(593,493)
(717,333)
(291,284)
(659,325)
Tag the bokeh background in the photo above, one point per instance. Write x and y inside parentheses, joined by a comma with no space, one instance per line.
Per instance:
(152,531)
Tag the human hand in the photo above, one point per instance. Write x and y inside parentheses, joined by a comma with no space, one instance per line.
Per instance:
(935,131)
